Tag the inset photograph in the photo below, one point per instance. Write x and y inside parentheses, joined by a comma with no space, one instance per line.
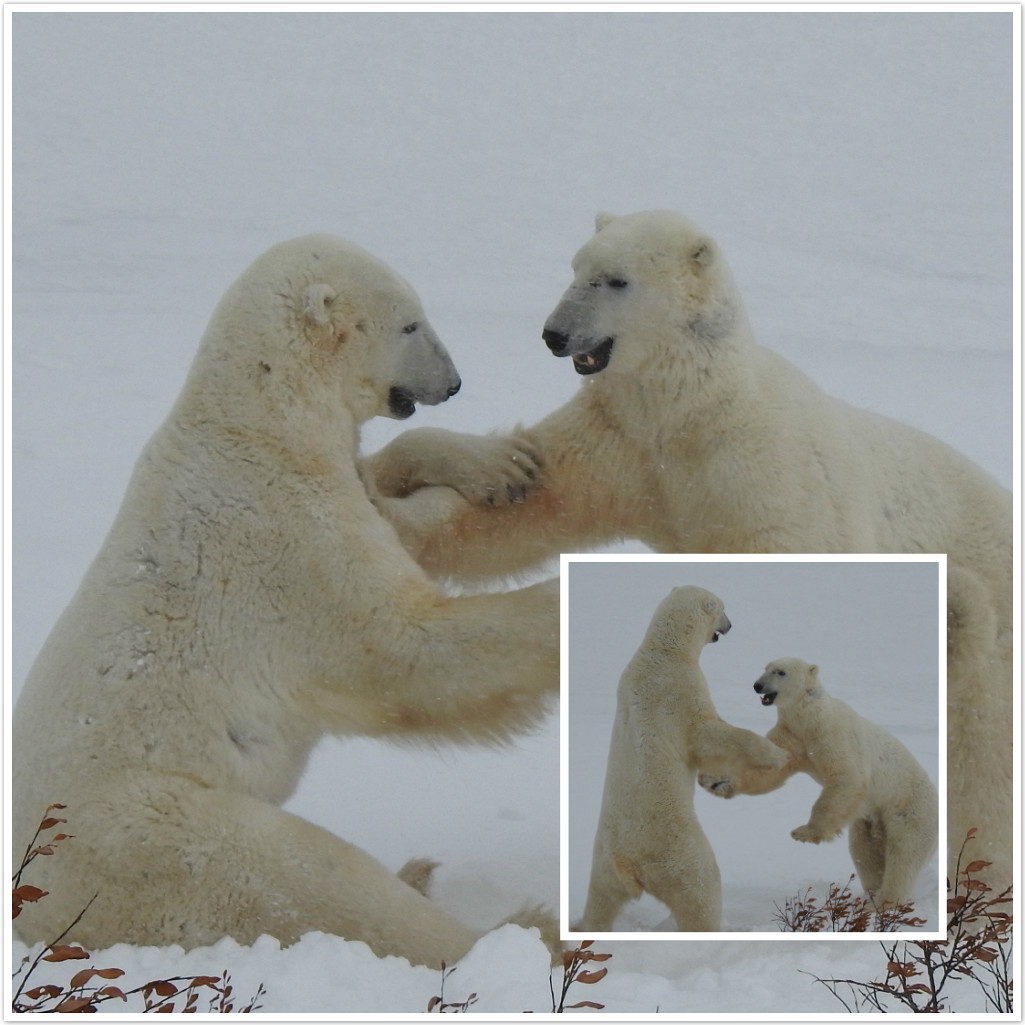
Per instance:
(753,747)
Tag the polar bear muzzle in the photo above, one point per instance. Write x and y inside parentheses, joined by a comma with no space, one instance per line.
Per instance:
(425,373)
(768,695)
(585,360)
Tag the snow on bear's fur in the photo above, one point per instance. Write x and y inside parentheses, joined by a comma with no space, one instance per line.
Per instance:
(871,783)
(689,436)
(249,599)
(665,732)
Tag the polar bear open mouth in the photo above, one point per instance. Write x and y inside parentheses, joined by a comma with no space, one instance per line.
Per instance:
(768,697)
(596,360)
(401,403)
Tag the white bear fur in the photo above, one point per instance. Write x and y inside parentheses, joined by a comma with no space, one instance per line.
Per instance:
(871,783)
(694,438)
(249,599)
(666,731)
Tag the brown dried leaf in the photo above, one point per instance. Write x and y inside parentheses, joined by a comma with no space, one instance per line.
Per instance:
(976,866)
(79,979)
(73,1004)
(66,953)
(904,969)
(28,892)
(112,991)
(588,1003)
(43,991)
(49,823)
(432,1003)
(591,977)
(109,973)
(161,987)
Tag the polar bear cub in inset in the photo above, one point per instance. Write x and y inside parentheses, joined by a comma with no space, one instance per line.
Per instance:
(666,730)
(870,781)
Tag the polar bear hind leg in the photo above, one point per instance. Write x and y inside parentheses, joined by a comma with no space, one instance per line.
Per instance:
(238,865)
(889,857)
(613,882)
(866,844)
(695,899)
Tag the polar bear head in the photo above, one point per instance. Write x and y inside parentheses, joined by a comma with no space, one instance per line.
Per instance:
(642,282)
(688,618)
(317,319)
(787,681)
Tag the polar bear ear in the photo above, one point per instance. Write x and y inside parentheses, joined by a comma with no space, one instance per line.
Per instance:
(813,672)
(317,304)
(702,253)
(603,220)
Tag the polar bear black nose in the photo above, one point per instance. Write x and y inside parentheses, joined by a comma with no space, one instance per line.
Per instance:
(555,340)
(454,388)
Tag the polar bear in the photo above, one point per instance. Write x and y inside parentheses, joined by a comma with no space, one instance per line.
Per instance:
(871,783)
(249,599)
(665,732)
(689,436)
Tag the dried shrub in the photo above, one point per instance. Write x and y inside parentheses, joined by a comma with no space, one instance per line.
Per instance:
(89,988)
(573,971)
(841,911)
(439,1003)
(918,973)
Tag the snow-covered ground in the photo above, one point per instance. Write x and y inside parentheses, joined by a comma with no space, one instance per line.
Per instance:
(855,167)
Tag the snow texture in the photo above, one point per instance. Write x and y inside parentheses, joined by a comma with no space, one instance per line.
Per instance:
(856,169)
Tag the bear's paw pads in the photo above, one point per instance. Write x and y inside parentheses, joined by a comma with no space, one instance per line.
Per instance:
(716,785)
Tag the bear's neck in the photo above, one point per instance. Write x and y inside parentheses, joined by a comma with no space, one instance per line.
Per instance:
(312,429)
(680,390)
(668,680)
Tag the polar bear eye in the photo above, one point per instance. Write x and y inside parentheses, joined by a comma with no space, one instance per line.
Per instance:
(618,283)
(781,672)
(410,328)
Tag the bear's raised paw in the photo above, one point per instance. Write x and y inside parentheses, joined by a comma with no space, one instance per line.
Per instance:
(716,785)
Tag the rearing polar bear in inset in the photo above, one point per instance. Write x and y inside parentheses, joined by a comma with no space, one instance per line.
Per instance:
(249,599)
(666,731)
(689,436)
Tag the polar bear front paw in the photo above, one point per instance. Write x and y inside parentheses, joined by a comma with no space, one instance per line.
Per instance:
(807,834)
(489,470)
(716,785)
(496,470)
(418,873)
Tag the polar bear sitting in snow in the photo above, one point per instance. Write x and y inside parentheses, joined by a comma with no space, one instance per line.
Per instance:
(666,731)
(871,783)
(689,436)
(249,599)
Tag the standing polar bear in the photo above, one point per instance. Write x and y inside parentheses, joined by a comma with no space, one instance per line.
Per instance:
(689,436)
(666,731)
(871,783)
(248,599)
